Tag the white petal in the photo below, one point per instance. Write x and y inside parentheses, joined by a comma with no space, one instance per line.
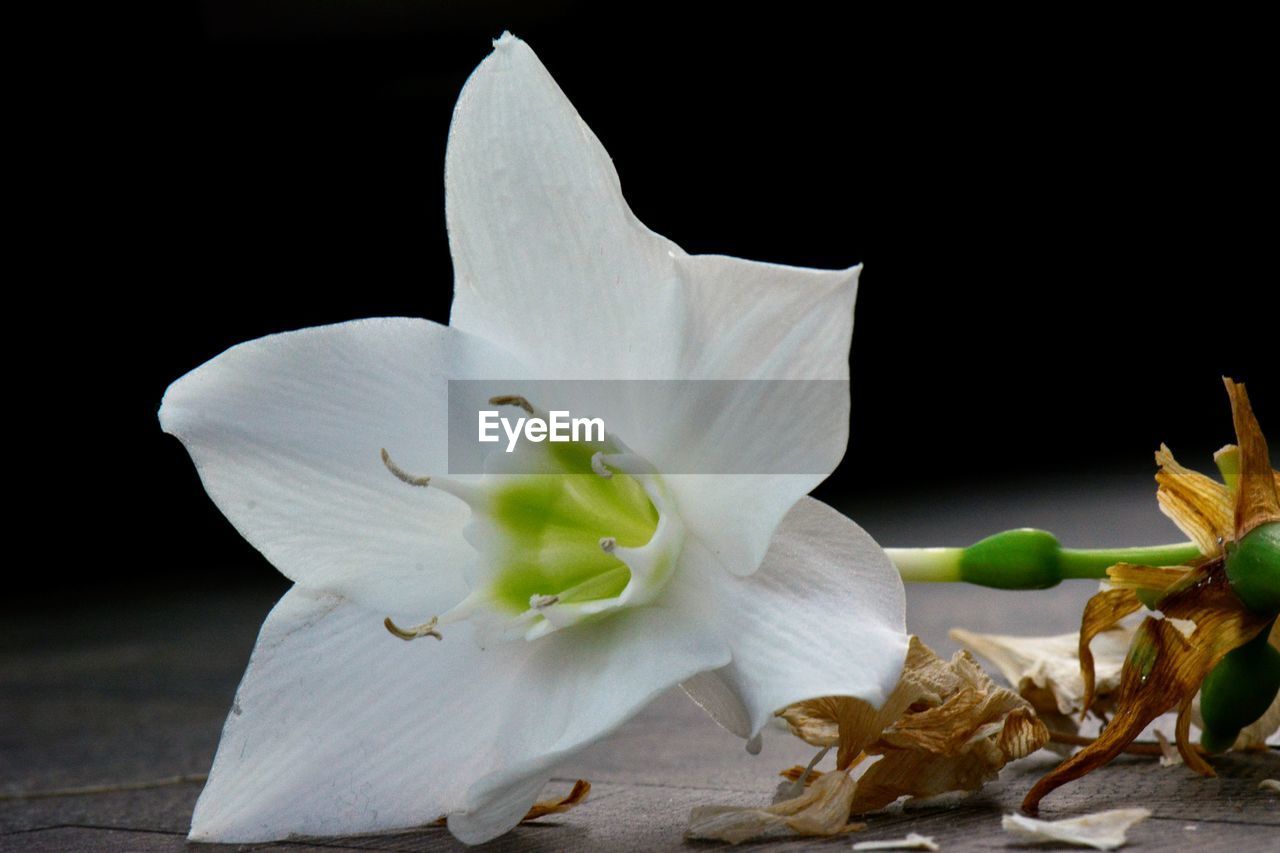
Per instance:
(550,261)
(824,616)
(547,257)
(286,432)
(340,728)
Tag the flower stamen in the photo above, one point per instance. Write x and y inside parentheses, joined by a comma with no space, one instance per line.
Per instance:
(608,543)
(426,629)
(512,400)
(598,466)
(401,474)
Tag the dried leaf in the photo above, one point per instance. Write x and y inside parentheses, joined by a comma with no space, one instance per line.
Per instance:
(822,810)
(1257,496)
(1164,669)
(913,841)
(1200,506)
(1046,670)
(1101,831)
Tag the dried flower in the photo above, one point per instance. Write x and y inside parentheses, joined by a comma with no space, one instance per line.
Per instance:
(1214,617)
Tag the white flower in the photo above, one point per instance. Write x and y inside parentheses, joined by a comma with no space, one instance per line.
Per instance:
(740,587)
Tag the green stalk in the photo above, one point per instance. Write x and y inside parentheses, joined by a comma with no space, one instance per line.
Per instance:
(1026,559)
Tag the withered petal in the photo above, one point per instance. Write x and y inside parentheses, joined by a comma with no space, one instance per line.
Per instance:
(1258,496)
(1164,670)
(1200,506)
(575,797)
(1101,613)
(821,810)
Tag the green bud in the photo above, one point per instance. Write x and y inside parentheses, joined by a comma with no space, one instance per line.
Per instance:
(1253,566)
(1014,559)
(1238,691)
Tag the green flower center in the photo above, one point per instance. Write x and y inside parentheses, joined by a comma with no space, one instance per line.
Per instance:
(551,528)
(565,532)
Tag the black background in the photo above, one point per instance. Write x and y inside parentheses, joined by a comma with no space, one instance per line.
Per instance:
(1066,222)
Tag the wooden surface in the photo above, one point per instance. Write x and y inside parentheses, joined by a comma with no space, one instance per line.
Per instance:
(136,689)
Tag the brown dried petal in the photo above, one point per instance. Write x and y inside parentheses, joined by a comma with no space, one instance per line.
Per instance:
(1046,670)
(957,740)
(574,798)
(1258,497)
(821,810)
(853,724)
(946,727)
(1164,669)
(1201,507)
(1101,613)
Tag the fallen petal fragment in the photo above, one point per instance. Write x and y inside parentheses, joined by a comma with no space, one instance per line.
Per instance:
(913,841)
(1101,831)
(822,810)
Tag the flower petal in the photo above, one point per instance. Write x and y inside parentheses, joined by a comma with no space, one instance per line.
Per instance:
(548,259)
(550,262)
(340,728)
(1200,507)
(286,432)
(824,616)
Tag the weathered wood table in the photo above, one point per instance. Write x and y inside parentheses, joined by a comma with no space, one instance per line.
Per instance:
(136,690)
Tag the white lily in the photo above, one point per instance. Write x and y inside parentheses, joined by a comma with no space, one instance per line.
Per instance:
(752,595)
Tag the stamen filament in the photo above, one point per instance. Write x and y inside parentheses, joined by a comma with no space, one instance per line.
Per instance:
(426,629)
(401,474)
(512,400)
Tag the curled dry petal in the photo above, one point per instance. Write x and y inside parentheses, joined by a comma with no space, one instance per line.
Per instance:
(947,727)
(1101,831)
(1102,613)
(917,771)
(576,797)
(1201,507)
(1258,496)
(1046,670)
(821,810)
(1164,669)
(852,724)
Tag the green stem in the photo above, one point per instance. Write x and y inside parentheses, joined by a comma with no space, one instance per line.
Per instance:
(1026,559)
